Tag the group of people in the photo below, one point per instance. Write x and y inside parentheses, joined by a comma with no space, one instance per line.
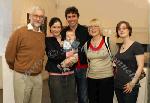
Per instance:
(84,66)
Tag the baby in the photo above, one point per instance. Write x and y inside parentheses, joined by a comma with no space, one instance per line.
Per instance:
(68,45)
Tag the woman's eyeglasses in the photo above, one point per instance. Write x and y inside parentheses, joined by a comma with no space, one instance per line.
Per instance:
(124,28)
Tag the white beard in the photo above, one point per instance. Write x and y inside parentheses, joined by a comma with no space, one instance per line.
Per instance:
(37,25)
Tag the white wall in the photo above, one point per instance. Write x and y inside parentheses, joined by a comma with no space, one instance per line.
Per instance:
(5,28)
(5,22)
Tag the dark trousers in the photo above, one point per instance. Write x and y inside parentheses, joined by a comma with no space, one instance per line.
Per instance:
(127,98)
(62,89)
(81,82)
(101,90)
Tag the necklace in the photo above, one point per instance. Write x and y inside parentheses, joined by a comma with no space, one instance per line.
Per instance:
(96,42)
(122,47)
(94,45)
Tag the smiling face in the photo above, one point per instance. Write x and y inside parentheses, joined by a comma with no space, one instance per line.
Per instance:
(94,28)
(37,18)
(72,19)
(56,29)
(123,29)
(70,36)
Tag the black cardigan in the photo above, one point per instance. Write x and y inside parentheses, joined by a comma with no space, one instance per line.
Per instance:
(55,54)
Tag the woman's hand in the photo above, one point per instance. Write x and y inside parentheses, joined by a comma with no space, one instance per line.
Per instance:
(128,87)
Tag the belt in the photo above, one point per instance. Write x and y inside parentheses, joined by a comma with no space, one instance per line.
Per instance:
(63,73)
(29,74)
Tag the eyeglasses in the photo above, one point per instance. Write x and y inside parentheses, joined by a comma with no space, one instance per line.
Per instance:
(124,28)
(38,16)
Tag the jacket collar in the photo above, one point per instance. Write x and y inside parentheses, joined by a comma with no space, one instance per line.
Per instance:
(30,27)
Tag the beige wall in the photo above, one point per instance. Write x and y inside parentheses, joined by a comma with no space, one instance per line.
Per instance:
(110,12)
(22,7)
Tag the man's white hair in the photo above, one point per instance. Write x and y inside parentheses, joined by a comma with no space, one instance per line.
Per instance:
(35,8)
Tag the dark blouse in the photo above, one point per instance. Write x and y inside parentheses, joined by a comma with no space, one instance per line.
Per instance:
(55,54)
(126,64)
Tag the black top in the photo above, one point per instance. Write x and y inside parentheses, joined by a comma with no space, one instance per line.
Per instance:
(126,64)
(55,54)
(82,36)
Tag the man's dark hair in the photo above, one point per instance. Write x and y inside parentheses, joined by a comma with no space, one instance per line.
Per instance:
(72,10)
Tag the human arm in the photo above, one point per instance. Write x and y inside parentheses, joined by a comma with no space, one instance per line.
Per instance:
(68,62)
(54,50)
(138,51)
(140,62)
(12,48)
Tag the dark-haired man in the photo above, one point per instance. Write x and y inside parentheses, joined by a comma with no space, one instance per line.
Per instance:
(82,35)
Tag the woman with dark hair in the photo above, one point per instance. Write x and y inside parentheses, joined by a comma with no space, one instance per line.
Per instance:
(129,61)
(61,83)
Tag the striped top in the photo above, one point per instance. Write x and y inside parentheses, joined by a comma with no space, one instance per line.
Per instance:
(100,64)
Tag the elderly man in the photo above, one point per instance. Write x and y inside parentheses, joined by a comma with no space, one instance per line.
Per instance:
(25,55)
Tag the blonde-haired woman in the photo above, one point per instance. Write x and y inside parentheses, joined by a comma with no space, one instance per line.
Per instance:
(100,72)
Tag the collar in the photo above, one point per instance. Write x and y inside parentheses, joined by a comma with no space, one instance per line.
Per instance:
(30,27)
